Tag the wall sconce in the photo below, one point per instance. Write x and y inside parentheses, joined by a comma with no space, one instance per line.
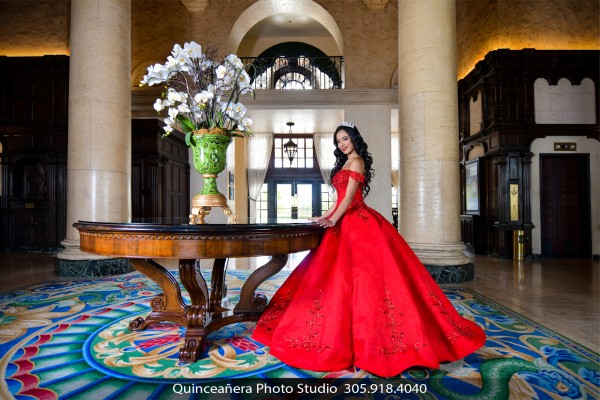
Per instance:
(290,148)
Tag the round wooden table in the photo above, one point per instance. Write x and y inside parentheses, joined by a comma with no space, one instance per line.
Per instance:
(143,242)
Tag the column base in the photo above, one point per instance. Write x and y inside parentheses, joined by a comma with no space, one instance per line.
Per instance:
(72,262)
(447,263)
(92,268)
(451,274)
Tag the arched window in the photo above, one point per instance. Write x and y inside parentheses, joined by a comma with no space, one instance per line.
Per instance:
(295,65)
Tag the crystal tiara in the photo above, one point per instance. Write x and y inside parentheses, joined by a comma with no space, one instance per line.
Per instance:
(347,124)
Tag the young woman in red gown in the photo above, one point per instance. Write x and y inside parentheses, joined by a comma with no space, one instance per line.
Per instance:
(362,298)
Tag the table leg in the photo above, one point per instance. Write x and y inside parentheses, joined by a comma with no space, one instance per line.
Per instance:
(250,303)
(168,305)
(194,282)
(217,285)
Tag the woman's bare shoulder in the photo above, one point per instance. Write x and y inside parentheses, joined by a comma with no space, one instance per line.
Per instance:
(356,165)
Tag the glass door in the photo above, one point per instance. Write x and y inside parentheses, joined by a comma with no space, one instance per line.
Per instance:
(293,200)
(283,200)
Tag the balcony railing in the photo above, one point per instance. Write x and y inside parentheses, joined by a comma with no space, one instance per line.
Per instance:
(295,72)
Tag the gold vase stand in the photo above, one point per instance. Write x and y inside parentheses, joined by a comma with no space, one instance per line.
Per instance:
(203,203)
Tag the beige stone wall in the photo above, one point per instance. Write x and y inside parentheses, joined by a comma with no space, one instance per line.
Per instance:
(38,27)
(483,26)
(370,37)
(34,28)
(370,42)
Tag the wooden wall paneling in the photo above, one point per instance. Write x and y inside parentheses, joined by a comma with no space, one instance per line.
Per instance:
(505,79)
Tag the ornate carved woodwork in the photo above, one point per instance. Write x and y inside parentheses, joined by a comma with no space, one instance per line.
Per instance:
(33,142)
(160,172)
(33,157)
(142,242)
(504,82)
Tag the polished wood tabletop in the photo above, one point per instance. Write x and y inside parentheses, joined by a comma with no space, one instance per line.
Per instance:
(142,242)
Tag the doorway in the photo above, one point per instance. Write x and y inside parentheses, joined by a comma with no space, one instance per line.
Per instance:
(565,205)
(295,199)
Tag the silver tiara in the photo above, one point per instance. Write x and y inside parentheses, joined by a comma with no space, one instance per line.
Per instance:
(347,124)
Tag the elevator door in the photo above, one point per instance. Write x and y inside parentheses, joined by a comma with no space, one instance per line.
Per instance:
(565,206)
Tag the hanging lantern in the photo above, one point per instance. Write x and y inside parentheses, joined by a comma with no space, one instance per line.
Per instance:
(290,148)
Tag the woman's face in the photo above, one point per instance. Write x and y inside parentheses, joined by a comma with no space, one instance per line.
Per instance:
(344,143)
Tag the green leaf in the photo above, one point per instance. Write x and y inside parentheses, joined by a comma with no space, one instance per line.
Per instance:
(186,124)
(189,139)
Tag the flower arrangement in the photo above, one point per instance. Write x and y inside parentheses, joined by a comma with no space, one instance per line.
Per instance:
(202,96)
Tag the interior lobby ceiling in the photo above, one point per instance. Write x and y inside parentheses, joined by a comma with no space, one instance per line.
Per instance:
(305,120)
(287,25)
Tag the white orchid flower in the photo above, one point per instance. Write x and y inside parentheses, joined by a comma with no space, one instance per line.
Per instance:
(157,73)
(240,109)
(171,62)
(174,96)
(158,105)
(244,79)
(221,71)
(193,49)
(227,109)
(200,89)
(169,122)
(203,97)
(235,61)
(173,113)
(176,50)
(247,122)
(183,108)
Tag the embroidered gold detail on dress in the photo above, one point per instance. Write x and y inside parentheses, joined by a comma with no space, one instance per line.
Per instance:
(398,344)
(307,341)
(273,313)
(459,330)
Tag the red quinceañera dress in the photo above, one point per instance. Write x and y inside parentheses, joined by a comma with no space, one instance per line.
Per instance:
(363,299)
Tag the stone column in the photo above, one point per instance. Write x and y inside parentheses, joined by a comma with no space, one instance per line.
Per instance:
(99,149)
(428,114)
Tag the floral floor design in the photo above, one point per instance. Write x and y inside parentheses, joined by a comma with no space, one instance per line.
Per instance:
(69,340)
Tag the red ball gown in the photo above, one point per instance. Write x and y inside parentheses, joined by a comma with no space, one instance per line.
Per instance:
(363,299)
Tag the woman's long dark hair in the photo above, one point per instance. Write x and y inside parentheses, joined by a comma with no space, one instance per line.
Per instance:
(362,150)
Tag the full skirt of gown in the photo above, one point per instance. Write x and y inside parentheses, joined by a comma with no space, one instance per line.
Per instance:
(363,299)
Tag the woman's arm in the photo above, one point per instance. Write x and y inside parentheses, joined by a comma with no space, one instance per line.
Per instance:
(330,220)
(325,215)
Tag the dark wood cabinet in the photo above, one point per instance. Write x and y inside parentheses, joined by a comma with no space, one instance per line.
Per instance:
(33,158)
(502,85)
(160,172)
(33,151)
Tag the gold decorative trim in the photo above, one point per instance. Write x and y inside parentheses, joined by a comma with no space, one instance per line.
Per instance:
(190,237)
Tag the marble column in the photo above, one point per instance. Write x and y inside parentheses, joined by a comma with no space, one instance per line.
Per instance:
(99,128)
(428,119)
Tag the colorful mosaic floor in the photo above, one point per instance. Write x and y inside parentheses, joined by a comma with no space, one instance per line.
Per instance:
(70,340)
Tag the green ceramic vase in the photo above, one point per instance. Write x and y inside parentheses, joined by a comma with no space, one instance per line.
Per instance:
(210,159)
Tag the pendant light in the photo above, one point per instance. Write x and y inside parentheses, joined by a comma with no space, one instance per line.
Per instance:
(290,148)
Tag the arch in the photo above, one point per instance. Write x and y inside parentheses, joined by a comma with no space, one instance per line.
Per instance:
(477,151)
(293,51)
(266,8)
(394,80)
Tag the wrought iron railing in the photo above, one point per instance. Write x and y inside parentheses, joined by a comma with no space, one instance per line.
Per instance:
(295,72)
